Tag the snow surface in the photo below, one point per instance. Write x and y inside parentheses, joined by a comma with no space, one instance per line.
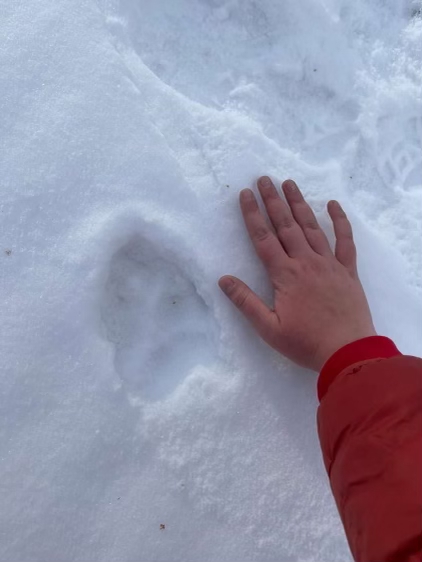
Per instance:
(132,394)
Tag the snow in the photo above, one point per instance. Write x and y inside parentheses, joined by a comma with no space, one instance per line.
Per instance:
(132,395)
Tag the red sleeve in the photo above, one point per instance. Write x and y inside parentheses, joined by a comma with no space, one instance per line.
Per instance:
(370,429)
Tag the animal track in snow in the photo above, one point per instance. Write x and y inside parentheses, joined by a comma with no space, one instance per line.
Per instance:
(401,157)
(160,326)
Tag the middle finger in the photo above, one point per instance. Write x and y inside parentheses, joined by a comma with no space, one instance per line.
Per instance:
(288,231)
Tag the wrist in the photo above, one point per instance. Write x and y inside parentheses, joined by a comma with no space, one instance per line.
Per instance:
(363,349)
(333,342)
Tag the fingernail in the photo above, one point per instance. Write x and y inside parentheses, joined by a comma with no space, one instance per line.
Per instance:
(226,284)
(337,206)
(265,181)
(247,194)
(290,186)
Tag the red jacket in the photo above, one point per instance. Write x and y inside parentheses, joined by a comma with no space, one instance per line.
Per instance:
(370,429)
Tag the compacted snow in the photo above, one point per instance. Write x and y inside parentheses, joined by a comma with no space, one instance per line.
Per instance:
(141,418)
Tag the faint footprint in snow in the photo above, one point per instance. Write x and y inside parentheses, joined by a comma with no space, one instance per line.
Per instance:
(400,162)
(327,136)
(160,326)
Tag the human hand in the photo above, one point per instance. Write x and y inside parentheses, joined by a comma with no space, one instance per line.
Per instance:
(319,302)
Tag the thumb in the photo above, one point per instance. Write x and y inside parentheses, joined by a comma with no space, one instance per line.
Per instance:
(252,307)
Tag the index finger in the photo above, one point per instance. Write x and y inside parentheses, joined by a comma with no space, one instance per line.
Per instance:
(266,244)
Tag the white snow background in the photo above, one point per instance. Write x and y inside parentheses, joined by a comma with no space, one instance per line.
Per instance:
(133,395)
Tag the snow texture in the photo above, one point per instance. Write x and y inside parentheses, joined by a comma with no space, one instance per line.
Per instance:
(141,418)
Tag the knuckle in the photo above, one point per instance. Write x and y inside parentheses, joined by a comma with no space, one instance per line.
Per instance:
(306,217)
(315,265)
(344,223)
(292,271)
(240,298)
(296,197)
(261,233)
(310,224)
(270,193)
(348,236)
(350,251)
(286,224)
(249,204)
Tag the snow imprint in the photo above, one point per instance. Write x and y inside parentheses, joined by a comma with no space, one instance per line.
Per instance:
(160,326)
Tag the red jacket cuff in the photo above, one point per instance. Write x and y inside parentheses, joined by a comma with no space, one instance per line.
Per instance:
(374,347)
